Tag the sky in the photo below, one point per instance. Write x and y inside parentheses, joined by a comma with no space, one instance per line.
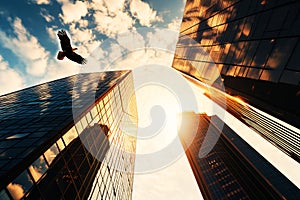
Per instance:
(28,41)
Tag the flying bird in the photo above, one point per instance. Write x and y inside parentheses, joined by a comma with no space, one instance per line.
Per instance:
(67,50)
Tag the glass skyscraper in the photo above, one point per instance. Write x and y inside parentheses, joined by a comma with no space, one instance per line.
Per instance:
(72,138)
(255,46)
(232,169)
(243,55)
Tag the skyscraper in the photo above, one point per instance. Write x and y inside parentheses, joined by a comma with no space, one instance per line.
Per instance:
(255,47)
(72,138)
(232,169)
(255,44)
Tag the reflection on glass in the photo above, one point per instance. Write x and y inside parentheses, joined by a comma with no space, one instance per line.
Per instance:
(70,136)
(94,112)
(38,168)
(51,153)
(60,144)
(18,187)
(84,123)
(88,117)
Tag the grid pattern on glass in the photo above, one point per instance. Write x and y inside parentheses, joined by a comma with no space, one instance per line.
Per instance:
(67,169)
(254,44)
(233,169)
(259,39)
(39,113)
(73,166)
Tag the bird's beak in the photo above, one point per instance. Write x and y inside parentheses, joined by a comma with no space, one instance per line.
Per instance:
(74,49)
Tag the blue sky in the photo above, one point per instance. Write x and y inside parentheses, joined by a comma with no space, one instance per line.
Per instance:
(28,41)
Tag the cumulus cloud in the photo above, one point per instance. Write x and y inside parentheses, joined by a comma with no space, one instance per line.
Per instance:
(175,24)
(52,31)
(85,38)
(39,2)
(45,14)
(8,74)
(111,25)
(111,17)
(144,13)
(27,48)
(72,12)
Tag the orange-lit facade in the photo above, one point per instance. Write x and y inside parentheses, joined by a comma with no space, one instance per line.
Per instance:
(250,50)
(70,138)
(253,44)
(232,169)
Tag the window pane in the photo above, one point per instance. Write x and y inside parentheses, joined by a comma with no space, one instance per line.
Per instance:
(38,168)
(70,136)
(18,187)
(51,153)
(60,144)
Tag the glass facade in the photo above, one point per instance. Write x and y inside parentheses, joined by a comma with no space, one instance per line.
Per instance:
(45,154)
(232,169)
(255,45)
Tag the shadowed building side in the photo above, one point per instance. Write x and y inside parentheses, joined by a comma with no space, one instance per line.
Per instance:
(69,139)
(232,169)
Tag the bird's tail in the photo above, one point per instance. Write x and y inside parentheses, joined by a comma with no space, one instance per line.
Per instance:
(60,55)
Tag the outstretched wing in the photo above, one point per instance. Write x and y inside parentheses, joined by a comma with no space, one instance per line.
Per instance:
(64,41)
(76,58)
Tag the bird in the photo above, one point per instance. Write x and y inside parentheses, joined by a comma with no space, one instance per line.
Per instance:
(67,50)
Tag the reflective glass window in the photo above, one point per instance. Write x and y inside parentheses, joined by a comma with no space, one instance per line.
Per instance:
(79,127)
(60,144)
(38,168)
(18,187)
(88,117)
(70,136)
(51,153)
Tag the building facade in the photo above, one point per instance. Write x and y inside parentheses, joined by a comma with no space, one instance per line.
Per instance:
(232,169)
(249,49)
(254,44)
(72,138)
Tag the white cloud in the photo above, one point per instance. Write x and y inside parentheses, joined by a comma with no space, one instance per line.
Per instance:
(111,25)
(84,38)
(27,48)
(175,24)
(45,14)
(59,69)
(72,12)
(39,2)
(111,17)
(144,13)
(8,74)
(114,6)
(131,40)
(52,31)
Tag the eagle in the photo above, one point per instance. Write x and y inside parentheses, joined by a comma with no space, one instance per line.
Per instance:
(67,50)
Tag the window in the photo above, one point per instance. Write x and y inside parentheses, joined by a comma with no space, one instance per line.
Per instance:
(70,136)
(38,168)
(18,187)
(51,153)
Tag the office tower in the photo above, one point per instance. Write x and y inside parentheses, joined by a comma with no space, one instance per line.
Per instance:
(255,47)
(232,169)
(255,44)
(72,138)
